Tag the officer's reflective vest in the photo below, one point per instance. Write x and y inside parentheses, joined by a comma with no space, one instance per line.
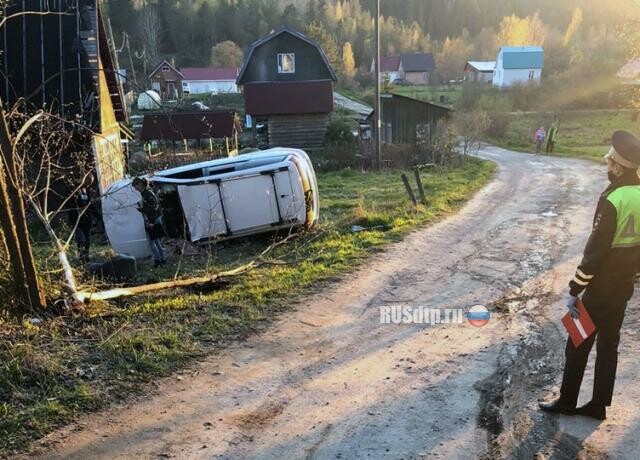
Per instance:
(626,200)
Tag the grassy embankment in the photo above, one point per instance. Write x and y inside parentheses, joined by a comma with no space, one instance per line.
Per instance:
(51,372)
(583,134)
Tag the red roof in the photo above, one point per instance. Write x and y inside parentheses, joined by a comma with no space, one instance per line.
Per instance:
(390,64)
(209,74)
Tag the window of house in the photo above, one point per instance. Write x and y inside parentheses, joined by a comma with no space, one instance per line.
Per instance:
(165,68)
(286,63)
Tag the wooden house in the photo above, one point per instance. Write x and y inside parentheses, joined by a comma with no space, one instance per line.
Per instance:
(63,62)
(389,68)
(207,80)
(406,120)
(166,80)
(479,71)
(416,68)
(288,86)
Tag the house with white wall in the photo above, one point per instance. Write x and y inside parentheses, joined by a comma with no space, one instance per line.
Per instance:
(199,80)
(518,65)
(389,68)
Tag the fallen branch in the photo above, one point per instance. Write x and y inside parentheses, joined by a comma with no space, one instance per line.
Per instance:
(116,293)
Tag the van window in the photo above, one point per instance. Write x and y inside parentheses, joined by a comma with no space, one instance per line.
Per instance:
(189,174)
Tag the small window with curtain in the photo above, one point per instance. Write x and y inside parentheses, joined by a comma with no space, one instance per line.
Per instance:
(286,63)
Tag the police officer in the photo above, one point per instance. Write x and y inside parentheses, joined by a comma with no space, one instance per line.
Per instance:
(606,275)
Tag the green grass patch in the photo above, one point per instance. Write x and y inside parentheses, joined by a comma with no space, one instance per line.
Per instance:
(583,134)
(53,371)
(451,94)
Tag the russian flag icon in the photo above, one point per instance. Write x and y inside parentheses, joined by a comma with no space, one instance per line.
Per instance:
(478,315)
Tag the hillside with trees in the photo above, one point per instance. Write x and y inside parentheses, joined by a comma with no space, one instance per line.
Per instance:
(576,34)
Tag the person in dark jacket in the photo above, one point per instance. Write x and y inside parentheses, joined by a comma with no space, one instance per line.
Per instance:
(606,276)
(150,209)
(81,218)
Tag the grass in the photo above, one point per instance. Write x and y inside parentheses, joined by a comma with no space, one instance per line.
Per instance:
(583,134)
(52,371)
(451,94)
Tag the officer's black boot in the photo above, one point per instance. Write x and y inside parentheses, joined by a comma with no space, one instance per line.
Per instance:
(557,407)
(592,410)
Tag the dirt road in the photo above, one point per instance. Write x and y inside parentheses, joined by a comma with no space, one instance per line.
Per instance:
(330,381)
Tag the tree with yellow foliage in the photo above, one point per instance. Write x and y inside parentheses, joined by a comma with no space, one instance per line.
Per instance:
(517,31)
(574,25)
(348,61)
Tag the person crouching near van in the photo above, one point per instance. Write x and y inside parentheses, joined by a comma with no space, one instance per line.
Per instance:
(150,209)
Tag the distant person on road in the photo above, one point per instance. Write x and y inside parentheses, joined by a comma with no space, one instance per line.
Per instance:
(606,275)
(551,142)
(539,138)
(150,209)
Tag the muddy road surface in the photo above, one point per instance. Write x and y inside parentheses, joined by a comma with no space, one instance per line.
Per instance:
(330,381)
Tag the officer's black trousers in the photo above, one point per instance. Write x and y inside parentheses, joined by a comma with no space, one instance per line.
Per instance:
(608,316)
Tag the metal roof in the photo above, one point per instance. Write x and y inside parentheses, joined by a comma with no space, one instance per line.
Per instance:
(389,64)
(419,62)
(275,34)
(482,66)
(522,57)
(414,100)
(631,70)
(163,63)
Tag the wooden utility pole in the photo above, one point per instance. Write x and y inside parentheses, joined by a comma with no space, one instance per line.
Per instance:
(378,117)
(13,219)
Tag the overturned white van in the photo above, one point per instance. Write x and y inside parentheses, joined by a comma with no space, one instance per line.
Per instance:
(205,202)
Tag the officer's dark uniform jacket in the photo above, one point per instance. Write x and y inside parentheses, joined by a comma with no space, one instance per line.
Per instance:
(612,254)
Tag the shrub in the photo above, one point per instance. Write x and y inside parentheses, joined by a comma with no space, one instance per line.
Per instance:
(499,124)
(337,156)
(340,131)
(471,94)
(495,101)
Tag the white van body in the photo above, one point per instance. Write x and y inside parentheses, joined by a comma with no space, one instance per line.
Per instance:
(271,190)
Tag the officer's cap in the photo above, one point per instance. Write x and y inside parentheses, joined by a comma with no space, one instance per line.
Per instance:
(625,150)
